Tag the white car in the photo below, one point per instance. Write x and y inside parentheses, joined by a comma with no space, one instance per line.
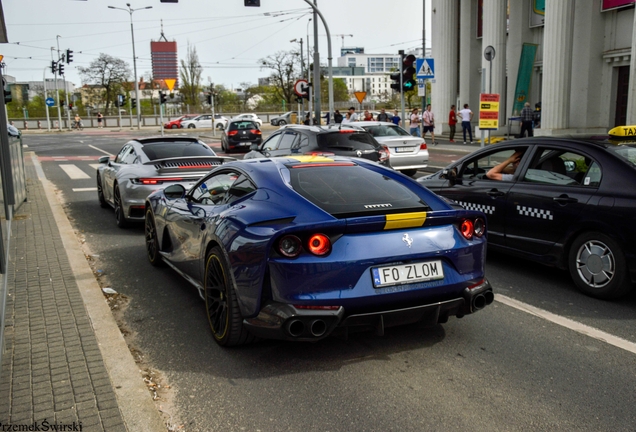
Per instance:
(249,116)
(408,153)
(205,121)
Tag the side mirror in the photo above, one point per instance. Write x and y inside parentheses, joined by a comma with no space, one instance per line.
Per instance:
(174,191)
(103,159)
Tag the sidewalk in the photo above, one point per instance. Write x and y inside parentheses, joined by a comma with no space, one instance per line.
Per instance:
(65,360)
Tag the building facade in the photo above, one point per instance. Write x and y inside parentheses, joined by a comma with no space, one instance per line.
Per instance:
(165,62)
(575,58)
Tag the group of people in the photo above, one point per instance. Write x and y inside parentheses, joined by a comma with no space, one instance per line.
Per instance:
(426,121)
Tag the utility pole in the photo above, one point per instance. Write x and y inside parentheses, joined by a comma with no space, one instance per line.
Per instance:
(61,59)
(57,92)
(316,83)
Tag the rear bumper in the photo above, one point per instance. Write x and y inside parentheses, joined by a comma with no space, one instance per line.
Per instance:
(286,322)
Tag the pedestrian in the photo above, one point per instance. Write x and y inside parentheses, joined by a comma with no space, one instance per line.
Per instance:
(78,121)
(428,118)
(367,116)
(467,115)
(328,117)
(452,121)
(396,119)
(383,116)
(527,116)
(337,117)
(352,114)
(347,118)
(415,123)
(100,118)
(306,121)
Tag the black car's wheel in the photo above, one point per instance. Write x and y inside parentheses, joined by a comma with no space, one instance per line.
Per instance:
(282,123)
(152,242)
(191,126)
(409,172)
(598,266)
(119,209)
(174,126)
(100,193)
(221,305)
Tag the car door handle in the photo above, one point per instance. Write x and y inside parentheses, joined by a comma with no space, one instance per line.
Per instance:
(564,199)
(495,193)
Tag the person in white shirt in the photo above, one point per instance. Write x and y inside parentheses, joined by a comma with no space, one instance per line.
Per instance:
(352,114)
(467,115)
(429,123)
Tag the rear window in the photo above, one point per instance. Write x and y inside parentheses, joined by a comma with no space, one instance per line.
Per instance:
(243,125)
(347,140)
(166,150)
(625,152)
(386,130)
(346,191)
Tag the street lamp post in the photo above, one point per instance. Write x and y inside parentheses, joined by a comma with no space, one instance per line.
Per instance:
(132,34)
(68,109)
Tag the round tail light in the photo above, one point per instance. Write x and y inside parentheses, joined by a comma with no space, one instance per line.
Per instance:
(319,244)
(468,229)
(480,227)
(289,246)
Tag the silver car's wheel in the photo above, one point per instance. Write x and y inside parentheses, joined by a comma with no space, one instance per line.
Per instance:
(152,242)
(598,266)
(100,193)
(119,209)
(191,126)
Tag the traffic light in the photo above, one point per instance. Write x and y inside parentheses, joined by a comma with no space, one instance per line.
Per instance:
(406,77)
(62,102)
(70,106)
(162,98)
(69,56)
(53,67)
(256,3)
(209,99)
(133,103)
(305,93)
(7,93)
(60,68)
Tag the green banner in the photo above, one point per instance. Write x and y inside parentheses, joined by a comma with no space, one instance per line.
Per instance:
(524,77)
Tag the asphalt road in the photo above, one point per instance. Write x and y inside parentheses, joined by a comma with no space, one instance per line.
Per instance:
(502,369)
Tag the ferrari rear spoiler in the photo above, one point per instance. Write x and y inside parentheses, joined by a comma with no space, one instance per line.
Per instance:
(189,163)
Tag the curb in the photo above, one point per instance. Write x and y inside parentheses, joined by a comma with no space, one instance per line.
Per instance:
(135,405)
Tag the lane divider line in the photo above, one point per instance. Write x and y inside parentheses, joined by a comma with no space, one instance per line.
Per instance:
(100,150)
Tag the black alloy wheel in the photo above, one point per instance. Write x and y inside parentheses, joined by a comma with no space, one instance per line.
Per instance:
(598,266)
(152,242)
(221,304)
(119,209)
(100,193)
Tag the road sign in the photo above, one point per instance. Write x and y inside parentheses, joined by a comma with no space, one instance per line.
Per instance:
(49,102)
(301,87)
(488,111)
(170,83)
(421,87)
(360,95)
(425,68)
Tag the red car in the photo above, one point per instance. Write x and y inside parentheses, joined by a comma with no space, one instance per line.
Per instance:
(176,124)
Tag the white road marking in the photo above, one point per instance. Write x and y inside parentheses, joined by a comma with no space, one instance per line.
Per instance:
(91,189)
(74,172)
(94,166)
(100,150)
(25,146)
(569,324)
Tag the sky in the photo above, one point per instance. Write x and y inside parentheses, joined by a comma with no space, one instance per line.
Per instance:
(229,37)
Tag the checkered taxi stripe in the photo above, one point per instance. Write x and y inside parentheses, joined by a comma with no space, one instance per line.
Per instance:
(533,212)
(480,207)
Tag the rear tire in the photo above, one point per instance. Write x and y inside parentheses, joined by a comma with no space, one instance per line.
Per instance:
(122,222)
(409,172)
(152,241)
(598,266)
(221,304)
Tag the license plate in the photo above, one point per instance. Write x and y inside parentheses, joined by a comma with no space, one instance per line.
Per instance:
(404,149)
(407,273)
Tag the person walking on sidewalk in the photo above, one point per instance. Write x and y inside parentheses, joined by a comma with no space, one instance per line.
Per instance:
(415,123)
(527,116)
(452,121)
(429,123)
(100,119)
(467,115)
(396,119)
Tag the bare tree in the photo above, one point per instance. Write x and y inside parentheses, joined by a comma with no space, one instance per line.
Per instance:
(190,73)
(108,73)
(285,66)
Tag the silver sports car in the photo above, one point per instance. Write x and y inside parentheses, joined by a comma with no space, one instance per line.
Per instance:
(146,164)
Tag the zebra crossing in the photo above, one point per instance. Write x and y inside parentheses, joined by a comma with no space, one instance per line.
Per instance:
(75,171)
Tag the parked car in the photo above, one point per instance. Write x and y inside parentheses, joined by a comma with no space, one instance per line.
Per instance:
(304,247)
(283,119)
(408,153)
(333,139)
(205,121)
(567,204)
(249,116)
(144,165)
(240,135)
(176,123)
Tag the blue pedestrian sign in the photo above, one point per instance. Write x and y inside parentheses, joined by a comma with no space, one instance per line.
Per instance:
(50,102)
(425,68)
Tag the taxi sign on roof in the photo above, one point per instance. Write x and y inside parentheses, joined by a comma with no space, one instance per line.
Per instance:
(623,132)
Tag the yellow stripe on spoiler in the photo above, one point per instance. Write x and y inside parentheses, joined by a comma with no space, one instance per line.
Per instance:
(404,220)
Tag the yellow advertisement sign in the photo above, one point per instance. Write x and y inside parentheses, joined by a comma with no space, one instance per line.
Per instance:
(488,111)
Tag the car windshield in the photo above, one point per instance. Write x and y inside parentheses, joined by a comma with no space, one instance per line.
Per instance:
(346,139)
(346,191)
(166,150)
(626,152)
(240,125)
(386,130)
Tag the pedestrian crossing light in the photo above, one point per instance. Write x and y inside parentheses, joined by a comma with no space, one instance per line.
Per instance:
(403,82)
(133,103)
(162,98)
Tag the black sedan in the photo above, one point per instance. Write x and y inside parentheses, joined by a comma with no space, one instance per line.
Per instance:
(568,202)
(240,135)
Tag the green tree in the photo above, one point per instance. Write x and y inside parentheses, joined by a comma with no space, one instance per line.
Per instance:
(107,72)
(191,71)
(340,90)
(285,67)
